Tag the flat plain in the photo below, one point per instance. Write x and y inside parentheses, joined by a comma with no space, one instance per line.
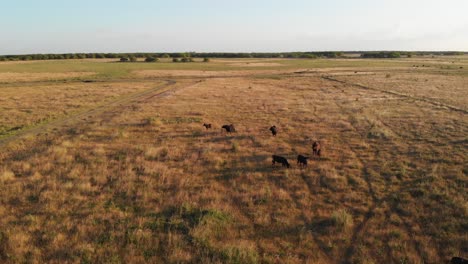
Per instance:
(106,162)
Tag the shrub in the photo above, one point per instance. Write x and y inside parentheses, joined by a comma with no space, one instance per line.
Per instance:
(206,60)
(123,59)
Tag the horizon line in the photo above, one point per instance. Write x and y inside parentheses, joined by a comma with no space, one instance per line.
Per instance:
(233,52)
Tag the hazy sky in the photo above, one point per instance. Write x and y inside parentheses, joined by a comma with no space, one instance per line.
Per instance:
(59,26)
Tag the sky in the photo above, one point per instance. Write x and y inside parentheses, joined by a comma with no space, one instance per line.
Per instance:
(66,26)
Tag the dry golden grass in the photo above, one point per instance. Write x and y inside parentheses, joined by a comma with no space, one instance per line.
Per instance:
(25,106)
(208,73)
(446,89)
(146,182)
(12,77)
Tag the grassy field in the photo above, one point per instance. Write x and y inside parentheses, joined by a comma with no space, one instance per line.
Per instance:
(121,170)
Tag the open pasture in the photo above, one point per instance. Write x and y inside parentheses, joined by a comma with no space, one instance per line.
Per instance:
(115,166)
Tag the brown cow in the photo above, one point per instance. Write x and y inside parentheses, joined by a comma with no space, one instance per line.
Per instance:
(207,126)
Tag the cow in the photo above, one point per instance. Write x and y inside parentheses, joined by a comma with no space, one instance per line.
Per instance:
(302,160)
(316,149)
(207,126)
(458,260)
(229,128)
(284,162)
(273,130)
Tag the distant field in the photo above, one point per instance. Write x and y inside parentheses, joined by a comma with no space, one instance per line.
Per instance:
(108,69)
(106,162)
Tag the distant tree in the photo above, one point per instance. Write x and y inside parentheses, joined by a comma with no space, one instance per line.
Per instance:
(124,59)
(206,59)
(175,60)
(99,56)
(185,59)
(166,56)
(382,54)
(307,56)
(133,58)
(151,59)
(394,55)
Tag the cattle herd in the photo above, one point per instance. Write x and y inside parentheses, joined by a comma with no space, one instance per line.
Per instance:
(301,160)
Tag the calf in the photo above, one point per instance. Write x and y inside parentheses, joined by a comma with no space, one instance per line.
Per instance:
(273,130)
(302,160)
(316,149)
(284,162)
(229,128)
(207,126)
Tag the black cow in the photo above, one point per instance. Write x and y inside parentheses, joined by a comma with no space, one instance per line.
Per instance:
(302,160)
(273,130)
(284,162)
(207,126)
(316,148)
(229,128)
(458,260)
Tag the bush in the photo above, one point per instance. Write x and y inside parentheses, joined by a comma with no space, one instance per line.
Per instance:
(206,60)
(123,59)
(133,59)
(175,60)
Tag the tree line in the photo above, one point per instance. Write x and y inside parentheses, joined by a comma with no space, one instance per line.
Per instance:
(181,56)
(177,55)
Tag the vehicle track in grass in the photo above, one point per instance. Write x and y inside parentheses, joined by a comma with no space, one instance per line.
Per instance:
(378,198)
(401,95)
